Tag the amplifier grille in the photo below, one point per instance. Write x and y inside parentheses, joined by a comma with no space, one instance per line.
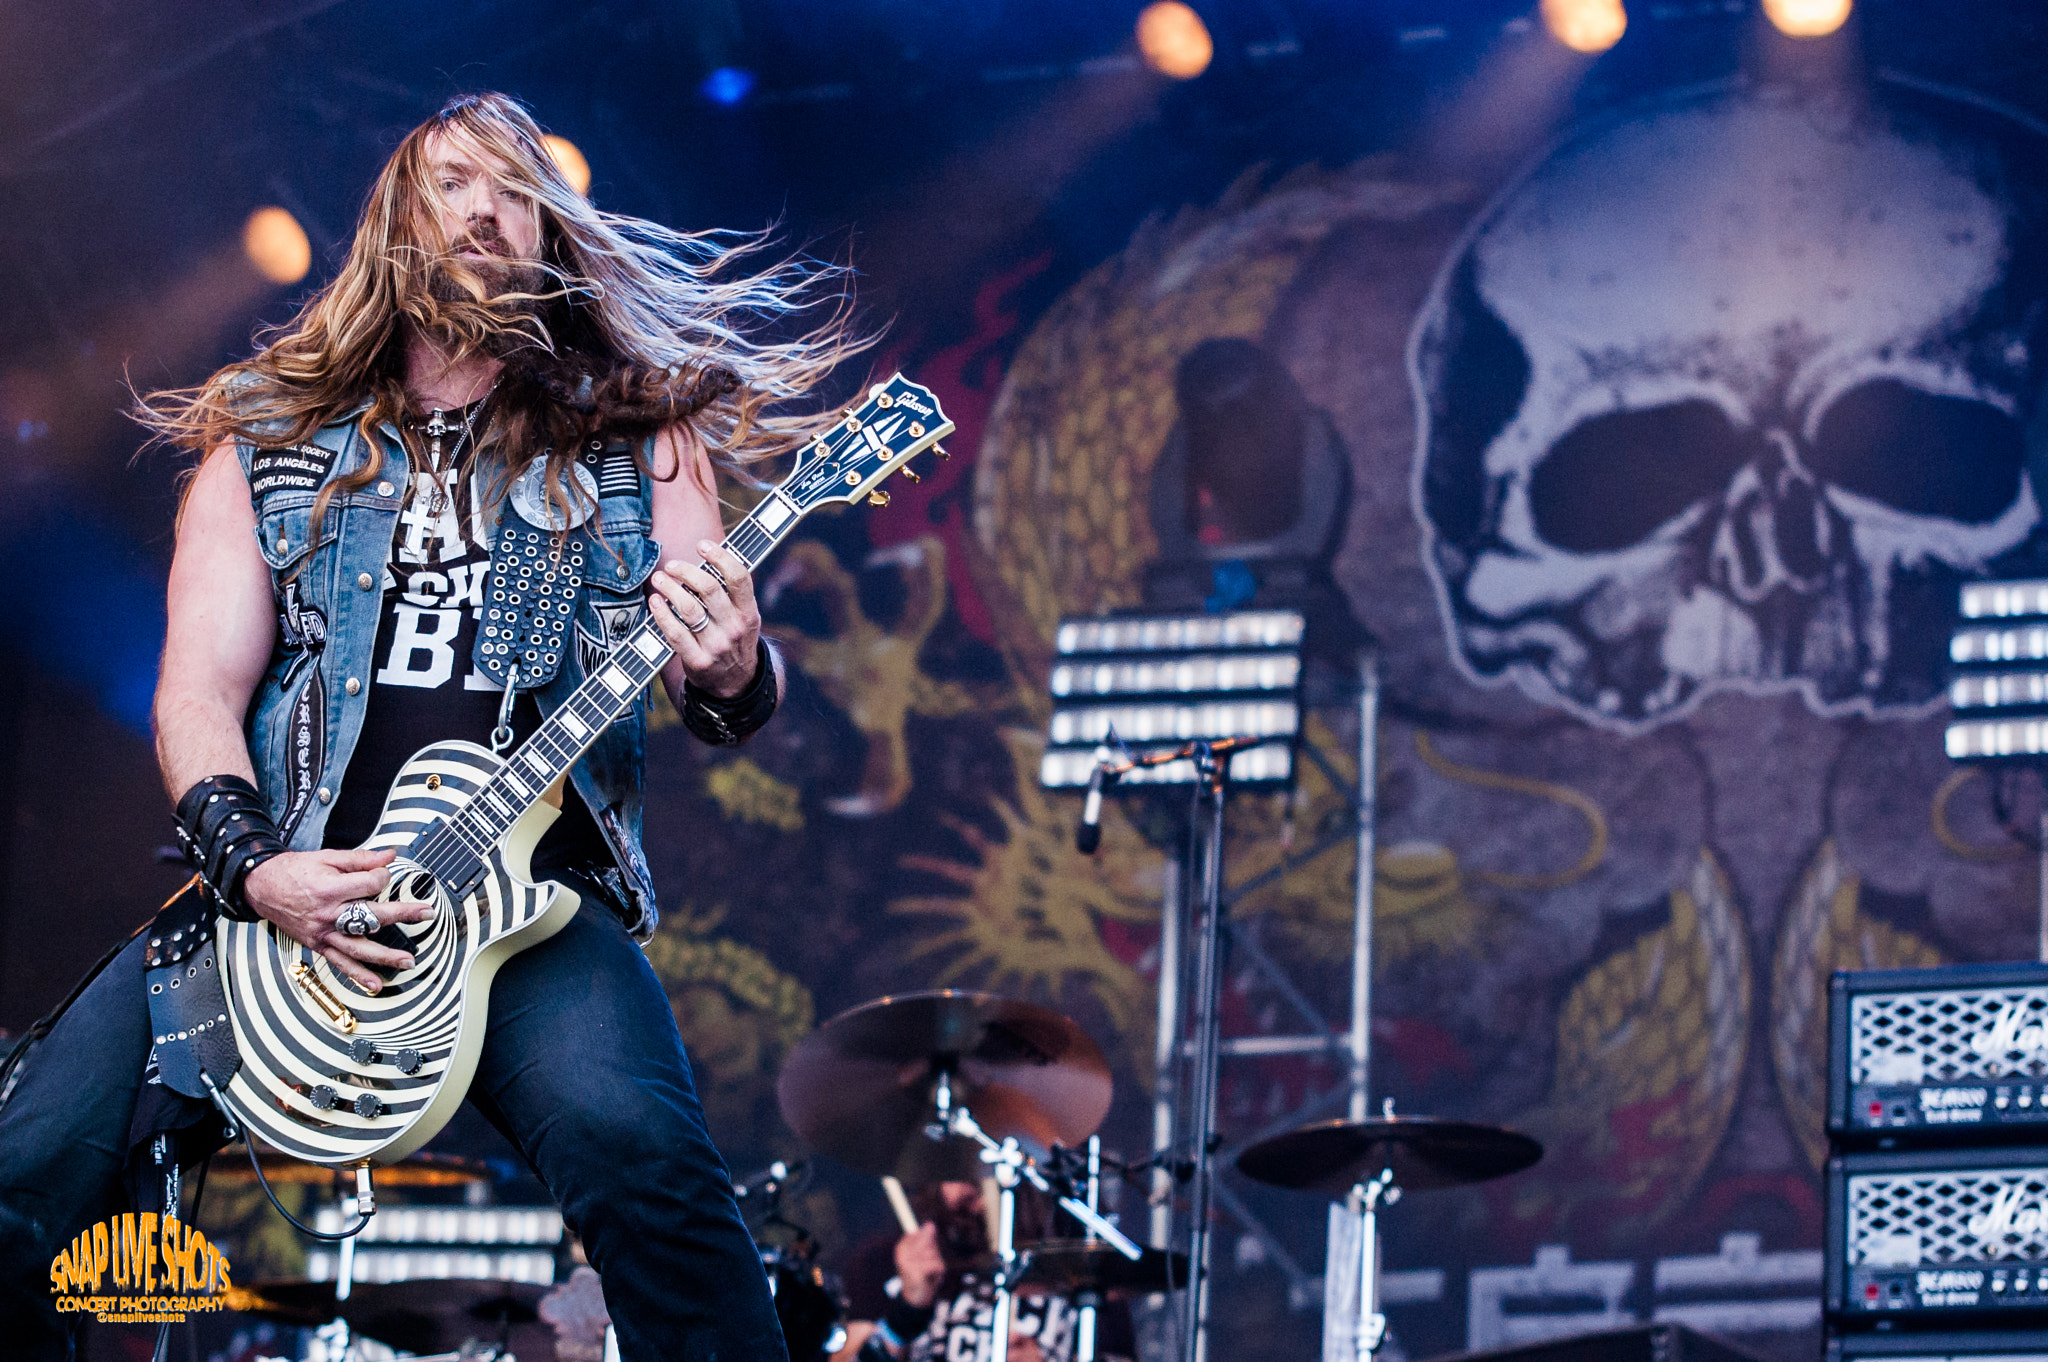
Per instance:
(1915,1219)
(1952,1036)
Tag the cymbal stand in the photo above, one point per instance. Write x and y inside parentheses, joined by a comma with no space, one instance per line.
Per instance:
(1090,1301)
(1012,1166)
(1353,1325)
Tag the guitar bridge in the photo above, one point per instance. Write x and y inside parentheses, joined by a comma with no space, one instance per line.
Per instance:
(303,976)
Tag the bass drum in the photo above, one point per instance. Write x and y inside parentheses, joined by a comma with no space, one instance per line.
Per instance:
(806,1304)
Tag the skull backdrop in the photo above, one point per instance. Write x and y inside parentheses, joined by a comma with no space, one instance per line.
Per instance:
(1731,392)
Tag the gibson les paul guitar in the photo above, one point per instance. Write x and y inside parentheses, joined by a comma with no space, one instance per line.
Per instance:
(335,1075)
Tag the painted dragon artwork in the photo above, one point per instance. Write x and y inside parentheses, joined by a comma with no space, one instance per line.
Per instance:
(1750,422)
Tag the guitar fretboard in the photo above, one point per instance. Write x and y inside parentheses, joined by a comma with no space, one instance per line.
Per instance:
(455,851)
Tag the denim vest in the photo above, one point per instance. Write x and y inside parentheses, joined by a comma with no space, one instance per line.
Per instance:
(308,710)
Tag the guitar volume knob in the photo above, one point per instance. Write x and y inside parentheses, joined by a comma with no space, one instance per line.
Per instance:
(323,1097)
(363,1051)
(409,1061)
(369,1104)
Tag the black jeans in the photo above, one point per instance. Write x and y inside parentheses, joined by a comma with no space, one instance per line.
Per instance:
(583,1071)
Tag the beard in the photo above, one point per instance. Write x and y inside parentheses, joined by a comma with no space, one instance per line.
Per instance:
(963,1235)
(511,315)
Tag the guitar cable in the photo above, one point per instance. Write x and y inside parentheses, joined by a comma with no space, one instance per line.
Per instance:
(366,1194)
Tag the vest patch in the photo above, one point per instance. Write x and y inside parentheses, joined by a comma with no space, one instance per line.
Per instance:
(618,475)
(296,468)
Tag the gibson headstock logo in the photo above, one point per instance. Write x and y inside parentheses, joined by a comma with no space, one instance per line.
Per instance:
(2008,1034)
(2006,1218)
(151,1270)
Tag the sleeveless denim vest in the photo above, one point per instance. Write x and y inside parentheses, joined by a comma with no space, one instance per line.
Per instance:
(308,710)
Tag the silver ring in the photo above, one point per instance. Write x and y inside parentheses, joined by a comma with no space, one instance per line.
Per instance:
(356,919)
(700,626)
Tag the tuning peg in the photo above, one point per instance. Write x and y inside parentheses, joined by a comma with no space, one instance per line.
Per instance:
(908,473)
(878,498)
(940,450)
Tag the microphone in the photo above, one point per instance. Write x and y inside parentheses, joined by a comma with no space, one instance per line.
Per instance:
(1088,836)
(768,1182)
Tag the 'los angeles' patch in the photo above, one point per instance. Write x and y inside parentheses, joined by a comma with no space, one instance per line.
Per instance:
(296,468)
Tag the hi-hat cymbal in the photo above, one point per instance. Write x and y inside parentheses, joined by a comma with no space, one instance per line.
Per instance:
(861,1086)
(231,1164)
(1333,1156)
(1067,1267)
(432,1315)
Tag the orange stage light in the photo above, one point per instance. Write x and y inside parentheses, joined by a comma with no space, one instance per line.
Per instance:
(277,246)
(1806,18)
(1174,40)
(1585,25)
(569,161)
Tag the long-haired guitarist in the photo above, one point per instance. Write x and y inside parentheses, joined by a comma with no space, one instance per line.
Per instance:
(496,358)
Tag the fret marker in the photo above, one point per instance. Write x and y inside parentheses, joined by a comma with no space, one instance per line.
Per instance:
(616,680)
(577,728)
(517,785)
(491,798)
(536,763)
(649,647)
(772,512)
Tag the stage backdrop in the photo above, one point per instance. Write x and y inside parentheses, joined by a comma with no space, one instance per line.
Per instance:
(1651,471)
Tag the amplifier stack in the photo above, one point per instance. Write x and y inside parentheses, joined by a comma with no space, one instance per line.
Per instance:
(1937,1194)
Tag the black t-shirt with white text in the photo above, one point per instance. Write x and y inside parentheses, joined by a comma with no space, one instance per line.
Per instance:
(424,686)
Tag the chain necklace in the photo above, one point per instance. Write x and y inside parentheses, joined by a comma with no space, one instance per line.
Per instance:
(437,428)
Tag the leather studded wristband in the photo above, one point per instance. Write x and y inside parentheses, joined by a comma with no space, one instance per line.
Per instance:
(226,831)
(729,721)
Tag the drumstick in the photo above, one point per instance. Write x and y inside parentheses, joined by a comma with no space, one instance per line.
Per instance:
(899,1203)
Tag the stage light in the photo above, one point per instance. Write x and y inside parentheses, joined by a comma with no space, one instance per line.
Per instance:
(728,85)
(569,161)
(1174,40)
(2000,709)
(277,246)
(1806,18)
(1585,25)
(1154,682)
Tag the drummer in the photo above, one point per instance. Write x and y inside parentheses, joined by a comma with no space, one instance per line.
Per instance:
(929,1296)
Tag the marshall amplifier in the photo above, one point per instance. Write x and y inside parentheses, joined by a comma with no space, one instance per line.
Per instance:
(1994,1345)
(1930,1056)
(1937,1234)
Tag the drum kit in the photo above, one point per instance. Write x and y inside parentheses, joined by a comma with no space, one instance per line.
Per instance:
(953,1086)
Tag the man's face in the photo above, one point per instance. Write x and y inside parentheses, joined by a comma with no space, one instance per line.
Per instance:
(482,217)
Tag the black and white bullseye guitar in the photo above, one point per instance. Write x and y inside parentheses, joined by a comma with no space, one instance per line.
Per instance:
(334,1075)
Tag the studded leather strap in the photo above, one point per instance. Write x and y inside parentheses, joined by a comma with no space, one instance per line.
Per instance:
(529,601)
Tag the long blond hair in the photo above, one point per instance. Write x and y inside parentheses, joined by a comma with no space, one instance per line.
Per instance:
(639,325)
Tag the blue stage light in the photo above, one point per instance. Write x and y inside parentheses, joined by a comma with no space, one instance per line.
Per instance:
(728,85)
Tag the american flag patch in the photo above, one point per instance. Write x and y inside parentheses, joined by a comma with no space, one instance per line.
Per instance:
(617,473)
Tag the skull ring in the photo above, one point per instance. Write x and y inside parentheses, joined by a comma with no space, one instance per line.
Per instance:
(356,919)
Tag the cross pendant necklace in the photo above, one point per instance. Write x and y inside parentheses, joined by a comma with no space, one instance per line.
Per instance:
(437,426)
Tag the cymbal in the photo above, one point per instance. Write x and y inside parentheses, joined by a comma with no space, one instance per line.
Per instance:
(231,1164)
(1425,1153)
(1067,1267)
(427,1315)
(860,1087)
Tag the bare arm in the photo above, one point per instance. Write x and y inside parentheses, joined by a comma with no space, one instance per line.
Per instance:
(723,656)
(221,627)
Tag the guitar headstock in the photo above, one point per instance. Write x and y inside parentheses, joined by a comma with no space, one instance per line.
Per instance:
(898,421)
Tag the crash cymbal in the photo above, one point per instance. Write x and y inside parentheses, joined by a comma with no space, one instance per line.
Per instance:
(231,1164)
(1332,1156)
(420,1316)
(860,1086)
(1067,1267)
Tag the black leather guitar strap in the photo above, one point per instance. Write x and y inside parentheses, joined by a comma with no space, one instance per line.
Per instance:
(188,1005)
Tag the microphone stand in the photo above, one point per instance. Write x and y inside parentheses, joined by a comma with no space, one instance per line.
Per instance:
(1205,855)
